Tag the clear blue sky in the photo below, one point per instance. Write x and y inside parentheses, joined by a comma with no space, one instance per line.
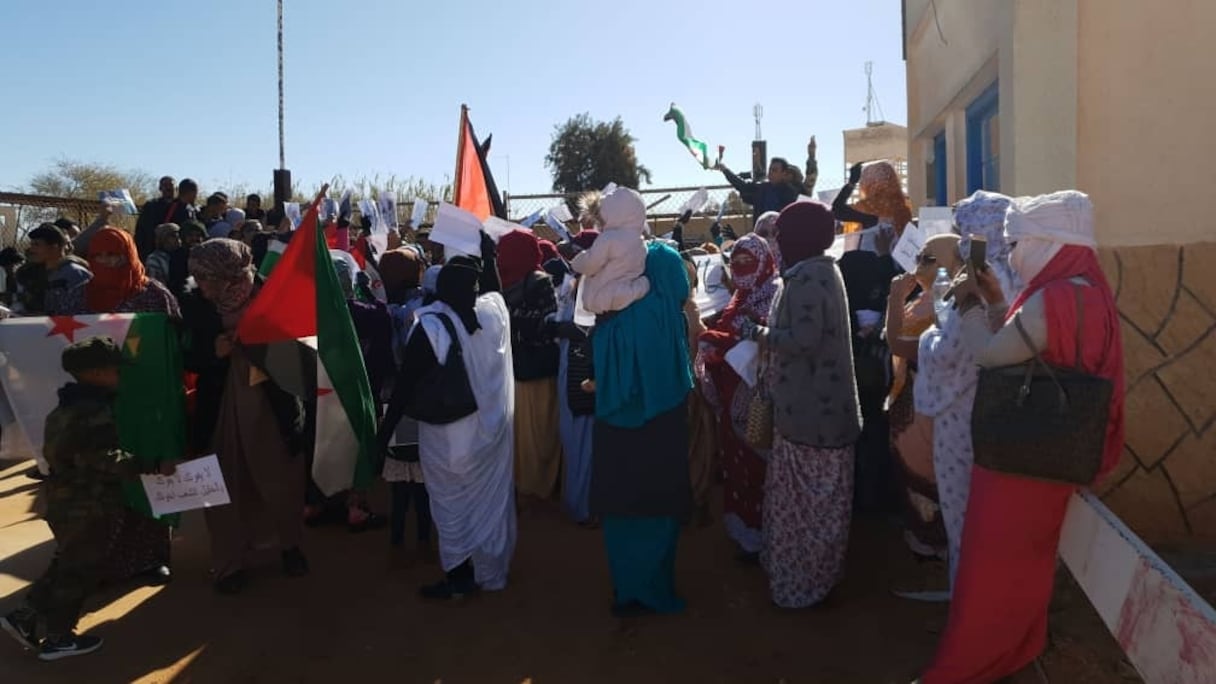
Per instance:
(375,86)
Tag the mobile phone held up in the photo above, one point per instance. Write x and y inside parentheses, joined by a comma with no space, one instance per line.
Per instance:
(978,256)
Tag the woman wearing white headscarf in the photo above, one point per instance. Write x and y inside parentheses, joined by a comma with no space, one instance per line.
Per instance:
(998,618)
(945,388)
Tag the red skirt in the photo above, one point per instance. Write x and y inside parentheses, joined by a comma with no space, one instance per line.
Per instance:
(998,617)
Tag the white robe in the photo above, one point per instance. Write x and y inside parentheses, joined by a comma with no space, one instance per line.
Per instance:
(468,464)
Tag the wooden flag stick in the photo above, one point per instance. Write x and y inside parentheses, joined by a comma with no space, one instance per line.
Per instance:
(464,118)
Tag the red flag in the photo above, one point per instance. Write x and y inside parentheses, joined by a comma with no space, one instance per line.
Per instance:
(285,308)
(470,189)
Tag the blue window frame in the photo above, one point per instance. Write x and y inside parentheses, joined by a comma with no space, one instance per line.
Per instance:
(984,142)
(940,196)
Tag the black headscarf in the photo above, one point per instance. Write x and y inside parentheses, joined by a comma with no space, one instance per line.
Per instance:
(458,286)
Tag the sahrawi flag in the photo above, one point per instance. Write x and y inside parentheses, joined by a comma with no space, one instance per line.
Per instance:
(299,331)
(151,404)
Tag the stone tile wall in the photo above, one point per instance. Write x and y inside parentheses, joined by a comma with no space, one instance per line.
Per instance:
(1165,485)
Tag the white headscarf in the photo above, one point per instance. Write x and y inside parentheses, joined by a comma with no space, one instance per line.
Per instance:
(1041,226)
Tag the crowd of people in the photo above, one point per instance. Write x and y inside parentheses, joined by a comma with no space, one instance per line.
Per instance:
(860,401)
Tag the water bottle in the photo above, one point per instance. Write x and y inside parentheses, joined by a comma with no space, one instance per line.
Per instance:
(941,285)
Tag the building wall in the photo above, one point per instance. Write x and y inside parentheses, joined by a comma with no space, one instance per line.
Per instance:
(1115,99)
(1145,120)
(1147,106)
(881,141)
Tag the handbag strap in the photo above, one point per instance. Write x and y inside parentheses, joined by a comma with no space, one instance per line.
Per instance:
(1038,357)
(447,324)
(1024,392)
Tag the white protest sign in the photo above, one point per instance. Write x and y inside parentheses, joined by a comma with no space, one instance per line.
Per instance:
(695,203)
(496,227)
(711,295)
(862,239)
(561,212)
(292,210)
(556,219)
(328,209)
(828,196)
(744,357)
(344,204)
(419,213)
(805,198)
(371,211)
(908,249)
(196,484)
(457,228)
(936,221)
(388,211)
(532,219)
(120,200)
(582,316)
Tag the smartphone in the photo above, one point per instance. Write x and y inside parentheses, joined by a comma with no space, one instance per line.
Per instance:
(979,253)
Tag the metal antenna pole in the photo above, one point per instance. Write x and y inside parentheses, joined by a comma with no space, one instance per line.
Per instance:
(869,92)
(282,146)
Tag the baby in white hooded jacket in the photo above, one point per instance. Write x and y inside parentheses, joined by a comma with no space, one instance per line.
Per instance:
(613,268)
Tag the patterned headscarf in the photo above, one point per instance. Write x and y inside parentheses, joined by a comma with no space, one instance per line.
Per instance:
(766,227)
(882,195)
(983,214)
(755,288)
(113,285)
(228,264)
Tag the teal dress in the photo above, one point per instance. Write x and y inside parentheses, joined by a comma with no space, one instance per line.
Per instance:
(639,485)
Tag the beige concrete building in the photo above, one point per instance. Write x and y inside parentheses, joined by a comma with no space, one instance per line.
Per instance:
(1115,98)
(877,141)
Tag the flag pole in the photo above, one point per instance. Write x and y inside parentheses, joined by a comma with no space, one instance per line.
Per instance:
(464,118)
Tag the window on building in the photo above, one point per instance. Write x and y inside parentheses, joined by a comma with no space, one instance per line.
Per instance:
(984,142)
(935,172)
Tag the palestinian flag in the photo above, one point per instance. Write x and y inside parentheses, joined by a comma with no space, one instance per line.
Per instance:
(299,331)
(474,189)
(151,405)
(274,252)
(698,149)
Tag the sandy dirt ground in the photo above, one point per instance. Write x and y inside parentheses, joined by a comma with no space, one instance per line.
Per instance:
(357,617)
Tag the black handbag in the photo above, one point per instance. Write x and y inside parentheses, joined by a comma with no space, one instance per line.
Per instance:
(443,395)
(1039,421)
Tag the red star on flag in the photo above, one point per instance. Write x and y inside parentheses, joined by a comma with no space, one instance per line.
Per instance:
(322,391)
(66,326)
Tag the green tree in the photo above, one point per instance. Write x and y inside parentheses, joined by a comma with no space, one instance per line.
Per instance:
(83,180)
(587,155)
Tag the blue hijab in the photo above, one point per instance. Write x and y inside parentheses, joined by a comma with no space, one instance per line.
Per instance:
(642,367)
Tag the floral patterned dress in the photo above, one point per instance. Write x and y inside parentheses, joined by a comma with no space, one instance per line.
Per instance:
(807,514)
(945,392)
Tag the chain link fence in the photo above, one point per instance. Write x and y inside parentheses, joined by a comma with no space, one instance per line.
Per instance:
(660,202)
